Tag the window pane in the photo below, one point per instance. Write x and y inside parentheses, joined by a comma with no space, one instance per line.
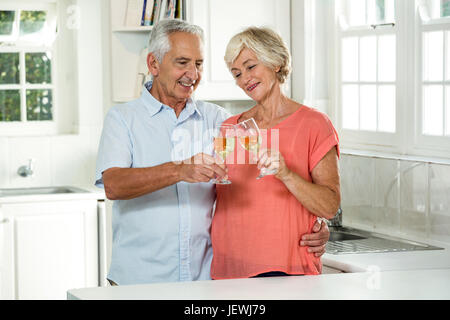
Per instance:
(32,21)
(445,8)
(6,22)
(350,59)
(368,65)
(356,12)
(38,67)
(433,54)
(350,105)
(9,70)
(387,58)
(386,109)
(432,110)
(39,105)
(368,107)
(447,110)
(447,57)
(9,105)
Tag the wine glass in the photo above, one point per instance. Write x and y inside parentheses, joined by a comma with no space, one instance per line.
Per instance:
(249,137)
(223,145)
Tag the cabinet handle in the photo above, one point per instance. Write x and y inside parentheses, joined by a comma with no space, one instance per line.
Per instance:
(5,220)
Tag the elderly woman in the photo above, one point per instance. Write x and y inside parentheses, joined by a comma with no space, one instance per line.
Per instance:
(257,223)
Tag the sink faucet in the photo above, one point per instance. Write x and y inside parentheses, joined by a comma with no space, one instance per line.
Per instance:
(337,220)
(25,171)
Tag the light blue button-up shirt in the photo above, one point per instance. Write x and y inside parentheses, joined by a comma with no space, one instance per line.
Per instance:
(163,236)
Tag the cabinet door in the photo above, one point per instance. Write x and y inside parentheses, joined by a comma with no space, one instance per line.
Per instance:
(220,21)
(55,248)
(6,258)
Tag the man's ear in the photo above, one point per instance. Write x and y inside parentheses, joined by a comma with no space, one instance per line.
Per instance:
(152,64)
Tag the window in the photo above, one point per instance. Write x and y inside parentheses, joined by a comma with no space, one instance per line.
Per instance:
(435,80)
(393,79)
(27,81)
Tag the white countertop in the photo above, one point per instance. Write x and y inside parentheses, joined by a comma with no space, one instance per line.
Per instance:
(92,193)
(391,275)
(412,284)
(390,261)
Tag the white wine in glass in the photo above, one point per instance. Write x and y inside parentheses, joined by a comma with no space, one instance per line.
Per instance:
(250,139)
(224,145)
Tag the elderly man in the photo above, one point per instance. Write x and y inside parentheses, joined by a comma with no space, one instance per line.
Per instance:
(163,198)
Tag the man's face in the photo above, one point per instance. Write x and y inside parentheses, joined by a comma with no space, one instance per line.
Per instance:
(180,71)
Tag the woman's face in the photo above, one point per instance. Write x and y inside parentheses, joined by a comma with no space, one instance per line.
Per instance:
(251,75)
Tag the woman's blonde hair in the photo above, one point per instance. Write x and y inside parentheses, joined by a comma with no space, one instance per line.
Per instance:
(268,46)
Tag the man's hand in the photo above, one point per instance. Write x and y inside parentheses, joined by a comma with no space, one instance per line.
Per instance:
(201,168)
(317,240)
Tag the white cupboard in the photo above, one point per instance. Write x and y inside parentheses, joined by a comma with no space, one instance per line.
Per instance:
(220,21)
(47,248)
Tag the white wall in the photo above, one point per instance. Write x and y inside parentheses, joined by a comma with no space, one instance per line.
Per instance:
(66,159)
(312,53)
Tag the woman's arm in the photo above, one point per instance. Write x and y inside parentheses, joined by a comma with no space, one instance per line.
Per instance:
(321,196)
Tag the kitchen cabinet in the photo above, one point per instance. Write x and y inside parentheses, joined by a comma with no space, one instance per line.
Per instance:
(47,248)
(128,54)
(220,21)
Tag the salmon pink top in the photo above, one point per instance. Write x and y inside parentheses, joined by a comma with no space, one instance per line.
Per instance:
(257,224)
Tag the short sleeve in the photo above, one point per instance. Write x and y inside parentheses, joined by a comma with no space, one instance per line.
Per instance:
(222,115)
(115,147)
(323,137)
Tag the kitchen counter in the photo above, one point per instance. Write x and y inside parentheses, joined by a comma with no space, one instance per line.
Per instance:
(391,275)
(411,284)
(86,192)
(390,261)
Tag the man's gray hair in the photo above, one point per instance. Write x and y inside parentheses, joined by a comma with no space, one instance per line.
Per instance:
(159,42)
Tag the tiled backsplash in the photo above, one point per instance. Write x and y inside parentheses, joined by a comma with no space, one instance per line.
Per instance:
(397,197)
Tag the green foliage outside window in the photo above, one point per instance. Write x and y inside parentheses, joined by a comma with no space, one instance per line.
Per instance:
(38,68)
(9,105)
(39,105)
(9,68)
(445,5)
(37,71)
(32,21)
(6,22)
(381,10)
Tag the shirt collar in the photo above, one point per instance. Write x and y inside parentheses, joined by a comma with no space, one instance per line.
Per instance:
(154,106)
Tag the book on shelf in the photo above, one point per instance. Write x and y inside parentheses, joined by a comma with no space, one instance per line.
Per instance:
(156,10)
(133,17)
(163,11)
(148,12)
(143,12)
(170,13)
(179,9)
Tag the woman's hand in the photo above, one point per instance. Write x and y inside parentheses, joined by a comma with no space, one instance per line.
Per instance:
(270,160)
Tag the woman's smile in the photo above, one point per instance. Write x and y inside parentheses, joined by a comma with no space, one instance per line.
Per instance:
(253,86)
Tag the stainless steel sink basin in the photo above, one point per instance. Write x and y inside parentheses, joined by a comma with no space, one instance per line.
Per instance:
(39,191)
(345,240)
(344,236)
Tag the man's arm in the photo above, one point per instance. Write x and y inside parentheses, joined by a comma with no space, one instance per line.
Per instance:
(129,183)
(317,240)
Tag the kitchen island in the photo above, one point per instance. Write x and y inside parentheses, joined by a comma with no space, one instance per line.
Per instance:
(391,275)
(411,284)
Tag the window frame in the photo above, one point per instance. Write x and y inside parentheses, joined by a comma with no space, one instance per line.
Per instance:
(25,127)
(362,139)
(408,139)
(426,144)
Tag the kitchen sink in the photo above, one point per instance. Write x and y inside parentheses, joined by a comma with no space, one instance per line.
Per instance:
(344,240)
(39,191)
(344,236)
